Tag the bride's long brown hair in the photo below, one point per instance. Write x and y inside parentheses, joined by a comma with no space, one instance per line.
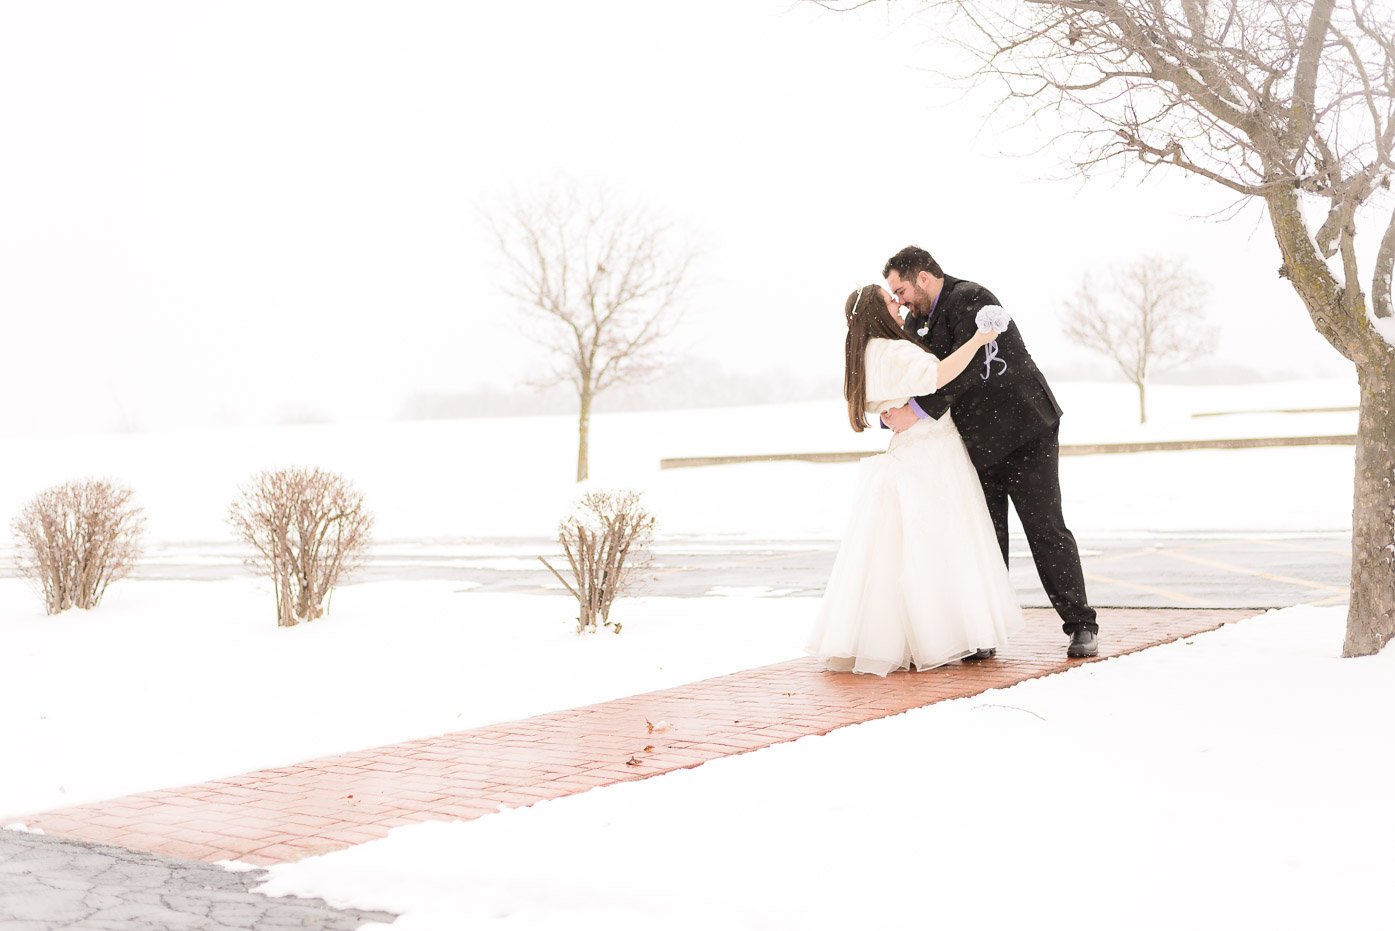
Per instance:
(868,318)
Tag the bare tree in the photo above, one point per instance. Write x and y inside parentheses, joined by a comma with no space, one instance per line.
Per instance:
(75,539)
(1281,102)
(309,529)
(1146,320)
(604,280)
(606,545)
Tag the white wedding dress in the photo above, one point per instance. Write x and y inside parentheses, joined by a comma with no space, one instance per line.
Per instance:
(919,578)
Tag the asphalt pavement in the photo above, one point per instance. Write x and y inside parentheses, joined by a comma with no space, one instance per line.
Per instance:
(1232,570)
(47,884)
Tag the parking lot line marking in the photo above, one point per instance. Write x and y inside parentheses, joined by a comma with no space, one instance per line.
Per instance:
(1258,573)
(1117,557)
(1330,599)
(1290,545)
(1155,548)
(1175,596)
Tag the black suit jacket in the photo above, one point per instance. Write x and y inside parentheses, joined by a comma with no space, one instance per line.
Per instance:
(995,414)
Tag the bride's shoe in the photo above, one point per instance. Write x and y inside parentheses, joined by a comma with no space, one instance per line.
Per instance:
(982,654)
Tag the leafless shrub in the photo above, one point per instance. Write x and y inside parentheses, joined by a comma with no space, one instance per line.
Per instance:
(606,544)
(309,529)
(75,539)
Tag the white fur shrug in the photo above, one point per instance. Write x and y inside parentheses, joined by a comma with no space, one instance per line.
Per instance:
(897,369)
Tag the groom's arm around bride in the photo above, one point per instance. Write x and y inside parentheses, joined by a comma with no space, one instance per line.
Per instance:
(999,402)
(1009,421)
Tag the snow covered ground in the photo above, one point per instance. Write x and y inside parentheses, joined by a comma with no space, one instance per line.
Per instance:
(169,683)
(1215,782)
(1223,774)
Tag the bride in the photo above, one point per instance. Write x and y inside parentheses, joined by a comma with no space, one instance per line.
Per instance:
(919,579)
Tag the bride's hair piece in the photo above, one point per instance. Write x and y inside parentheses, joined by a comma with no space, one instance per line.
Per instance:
(856,298)
(868,317)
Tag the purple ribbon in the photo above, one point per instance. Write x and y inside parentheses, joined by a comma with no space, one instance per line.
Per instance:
(990,355)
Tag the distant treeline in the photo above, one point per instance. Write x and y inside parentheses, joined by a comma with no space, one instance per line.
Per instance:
(692,384)
(700,384)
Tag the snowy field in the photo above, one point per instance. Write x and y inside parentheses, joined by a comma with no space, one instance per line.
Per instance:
(1210,778)
(466,479)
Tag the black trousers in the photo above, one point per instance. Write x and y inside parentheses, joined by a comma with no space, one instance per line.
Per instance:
(1030,475)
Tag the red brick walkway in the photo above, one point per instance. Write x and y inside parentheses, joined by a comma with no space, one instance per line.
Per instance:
(320,805)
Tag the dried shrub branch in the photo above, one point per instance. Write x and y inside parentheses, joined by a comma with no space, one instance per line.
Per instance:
(309,530)
(75,539)
(605,542)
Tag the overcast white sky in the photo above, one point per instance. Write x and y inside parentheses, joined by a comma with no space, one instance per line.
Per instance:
(236,212)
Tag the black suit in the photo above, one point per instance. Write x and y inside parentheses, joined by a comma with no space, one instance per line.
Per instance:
(1009,420)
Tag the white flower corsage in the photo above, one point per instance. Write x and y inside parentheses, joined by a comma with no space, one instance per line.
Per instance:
(992,318)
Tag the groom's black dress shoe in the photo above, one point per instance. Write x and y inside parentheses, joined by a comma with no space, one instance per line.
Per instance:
(1083,643)
(983,654)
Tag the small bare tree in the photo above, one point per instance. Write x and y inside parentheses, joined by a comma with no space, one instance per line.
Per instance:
(604,281)
(1147,320)
(75,539)
(1285,103)
(606,545)
(309,529)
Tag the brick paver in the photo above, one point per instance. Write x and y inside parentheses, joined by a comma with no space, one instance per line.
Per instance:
(281,814)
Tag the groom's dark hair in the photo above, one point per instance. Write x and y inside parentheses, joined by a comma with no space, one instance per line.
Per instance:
(910,262)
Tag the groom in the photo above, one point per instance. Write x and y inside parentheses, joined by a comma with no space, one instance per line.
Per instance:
(1009,421)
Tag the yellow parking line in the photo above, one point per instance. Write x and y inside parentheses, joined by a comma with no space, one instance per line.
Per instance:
(1175,596)
(1159,548)
(1241,570)
(1118,557)
(1289,545)
(1330,600)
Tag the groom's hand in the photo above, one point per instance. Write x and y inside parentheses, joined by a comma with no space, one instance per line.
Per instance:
(900,418)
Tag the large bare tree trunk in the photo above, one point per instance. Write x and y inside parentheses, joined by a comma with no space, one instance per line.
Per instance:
(583,444)
(1371,622)
(1340,315)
